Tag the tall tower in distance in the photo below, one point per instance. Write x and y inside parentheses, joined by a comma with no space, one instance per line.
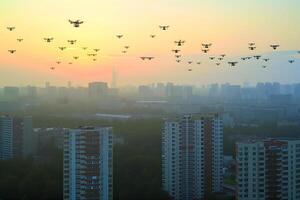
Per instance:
(69,84)
(88,164)
(114,78)
(192,156)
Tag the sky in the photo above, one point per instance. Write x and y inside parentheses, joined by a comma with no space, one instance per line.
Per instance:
(229,24)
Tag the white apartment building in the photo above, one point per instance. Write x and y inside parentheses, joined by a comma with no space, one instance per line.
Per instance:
(268,170)
(88,164)
(192,156)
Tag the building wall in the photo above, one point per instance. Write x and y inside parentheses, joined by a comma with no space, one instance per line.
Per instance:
(16,137)
(192,149)
(268,170)
(88,164)
(6,138)
(30,139)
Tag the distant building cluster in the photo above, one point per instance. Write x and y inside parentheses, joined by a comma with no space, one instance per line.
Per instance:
(242,104)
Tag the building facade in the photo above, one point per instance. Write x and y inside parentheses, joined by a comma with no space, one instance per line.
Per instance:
(17,138)
(192,156)
(88,164)
(98,89)
(268,170)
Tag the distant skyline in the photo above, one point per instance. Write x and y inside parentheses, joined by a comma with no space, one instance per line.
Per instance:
(228,24)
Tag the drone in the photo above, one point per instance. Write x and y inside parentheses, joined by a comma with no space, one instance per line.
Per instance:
(92,54)
(264,66)
(176,50)
(205,50)
(12,51)
(10,28)
(206,45)
(126,47)
(62,48)
(218,64)
(94,59)
(266,59)
(190,62)
(72,41)
(274,46)
(177,56)
(222,55)
(76,23)
(84,48)
(190,70)
(257,57)
(232,64)
(251,44)
(179,42)
(75,57)
(178,61)
(124,52)
(244,58)
(48,39)
(119,36)
(70,63)
(146,58)
(198,63)
(220,58)
(96,50)
(212,58)
(58,62)
(291,61)
(19,39)
(152,36)
(252,48)
(164,28)
(52,68)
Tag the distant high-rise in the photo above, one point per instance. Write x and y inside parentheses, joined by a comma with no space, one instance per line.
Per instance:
(11,92)
(47,84)
(31,92)
(268,170)
(98,89)
(192,156)
(88,164)
(114,78)
(16,137)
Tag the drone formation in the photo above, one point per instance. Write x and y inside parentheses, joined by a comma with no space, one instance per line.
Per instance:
(204,47)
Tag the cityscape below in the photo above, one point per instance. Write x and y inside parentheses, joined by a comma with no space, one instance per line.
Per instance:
(168,141)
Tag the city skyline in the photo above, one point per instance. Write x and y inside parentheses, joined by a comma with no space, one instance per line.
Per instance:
(228,25)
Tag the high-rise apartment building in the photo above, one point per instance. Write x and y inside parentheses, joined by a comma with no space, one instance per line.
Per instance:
(88,164)
(192,156)
(268,170)
(16,137)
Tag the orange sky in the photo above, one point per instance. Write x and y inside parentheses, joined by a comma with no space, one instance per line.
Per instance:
(228,24)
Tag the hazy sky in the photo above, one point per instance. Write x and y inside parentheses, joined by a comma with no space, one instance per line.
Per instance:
(228,24)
